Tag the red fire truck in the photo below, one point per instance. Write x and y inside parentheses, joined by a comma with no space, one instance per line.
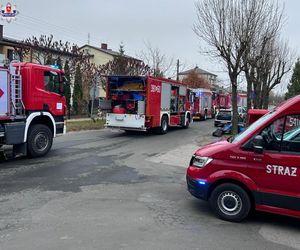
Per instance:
(142,103)
(202,104)
(223,101)
(257,169)
(32,107)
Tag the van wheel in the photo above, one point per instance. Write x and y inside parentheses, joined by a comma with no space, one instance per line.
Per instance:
(40,139)
(230,202)
(164,125)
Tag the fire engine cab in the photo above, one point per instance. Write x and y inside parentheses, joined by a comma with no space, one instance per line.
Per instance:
(141,103)
(257,169)
(32,107)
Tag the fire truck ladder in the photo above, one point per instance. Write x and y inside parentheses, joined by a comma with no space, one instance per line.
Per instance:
(17,105)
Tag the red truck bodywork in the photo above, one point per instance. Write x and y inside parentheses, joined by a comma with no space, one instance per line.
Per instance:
(268,175)
(32,107)
(223,101)
(145,102)
(255,114)
(35,96)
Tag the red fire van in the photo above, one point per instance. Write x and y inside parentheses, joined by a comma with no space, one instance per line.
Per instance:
(257,169)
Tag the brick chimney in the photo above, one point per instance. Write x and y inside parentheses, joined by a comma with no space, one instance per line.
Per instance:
(104,46)
(1,32)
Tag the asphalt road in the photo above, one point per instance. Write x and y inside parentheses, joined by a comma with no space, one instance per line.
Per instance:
(112,190)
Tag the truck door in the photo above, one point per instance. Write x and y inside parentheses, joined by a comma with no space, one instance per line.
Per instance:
(277,170)
(4,106)
(153,99)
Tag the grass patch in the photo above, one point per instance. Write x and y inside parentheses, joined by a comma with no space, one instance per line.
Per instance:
(84,125)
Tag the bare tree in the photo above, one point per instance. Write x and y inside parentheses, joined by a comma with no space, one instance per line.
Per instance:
(157,60)
(228,28)
(268,59)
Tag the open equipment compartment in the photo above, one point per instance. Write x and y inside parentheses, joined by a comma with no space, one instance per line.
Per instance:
(127,94)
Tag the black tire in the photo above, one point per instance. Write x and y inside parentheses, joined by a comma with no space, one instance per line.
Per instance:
(230,202)
(164,125)
(187,124)
(40,139)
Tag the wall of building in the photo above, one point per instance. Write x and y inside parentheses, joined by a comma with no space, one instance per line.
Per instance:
(99,58)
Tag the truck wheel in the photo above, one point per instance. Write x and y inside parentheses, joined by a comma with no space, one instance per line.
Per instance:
(164,125)
(40,139)
(230,202)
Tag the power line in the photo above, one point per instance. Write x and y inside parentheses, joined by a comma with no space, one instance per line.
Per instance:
(41,29)
(57,28)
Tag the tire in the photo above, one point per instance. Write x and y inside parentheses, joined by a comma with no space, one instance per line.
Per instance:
(164,125)
(230,202)
(39,142)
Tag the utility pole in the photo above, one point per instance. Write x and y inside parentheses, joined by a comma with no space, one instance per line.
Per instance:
(177,70)
(89,38)
(93,92)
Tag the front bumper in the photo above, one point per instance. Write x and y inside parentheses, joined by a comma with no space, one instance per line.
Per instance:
(221,123)
(198,188)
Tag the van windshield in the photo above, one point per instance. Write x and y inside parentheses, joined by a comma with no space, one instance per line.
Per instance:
(252,127)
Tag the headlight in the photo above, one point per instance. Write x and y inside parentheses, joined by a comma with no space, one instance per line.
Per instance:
(200,162)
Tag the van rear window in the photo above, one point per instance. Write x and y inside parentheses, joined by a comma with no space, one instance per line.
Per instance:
(224,115)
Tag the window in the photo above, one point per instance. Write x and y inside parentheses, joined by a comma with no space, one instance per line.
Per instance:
(13,55)
(291,136)
(283,135)
(272,135)
(52,81)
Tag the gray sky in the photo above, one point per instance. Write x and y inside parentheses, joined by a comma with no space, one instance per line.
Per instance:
(166,24)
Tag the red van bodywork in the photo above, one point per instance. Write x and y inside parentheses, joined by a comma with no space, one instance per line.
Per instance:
(269,179)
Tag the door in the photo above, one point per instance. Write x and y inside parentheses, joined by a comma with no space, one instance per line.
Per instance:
(277,170)
(4,107)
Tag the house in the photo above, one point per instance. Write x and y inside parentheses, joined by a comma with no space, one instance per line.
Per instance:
(210,77)
(7,46)
(9,49)
(102,55)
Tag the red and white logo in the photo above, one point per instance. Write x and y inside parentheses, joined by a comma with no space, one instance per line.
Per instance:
(9,12)
(155,89)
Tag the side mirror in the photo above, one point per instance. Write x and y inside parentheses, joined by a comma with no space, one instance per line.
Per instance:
(258,144)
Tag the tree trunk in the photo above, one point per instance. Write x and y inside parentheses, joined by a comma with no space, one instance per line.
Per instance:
(264,97)
(257,93)
(266,101)
(234,104)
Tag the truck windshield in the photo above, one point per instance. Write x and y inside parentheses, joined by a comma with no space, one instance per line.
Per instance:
(252,127)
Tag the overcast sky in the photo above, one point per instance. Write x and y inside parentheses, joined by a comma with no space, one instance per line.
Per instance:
(166,24)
